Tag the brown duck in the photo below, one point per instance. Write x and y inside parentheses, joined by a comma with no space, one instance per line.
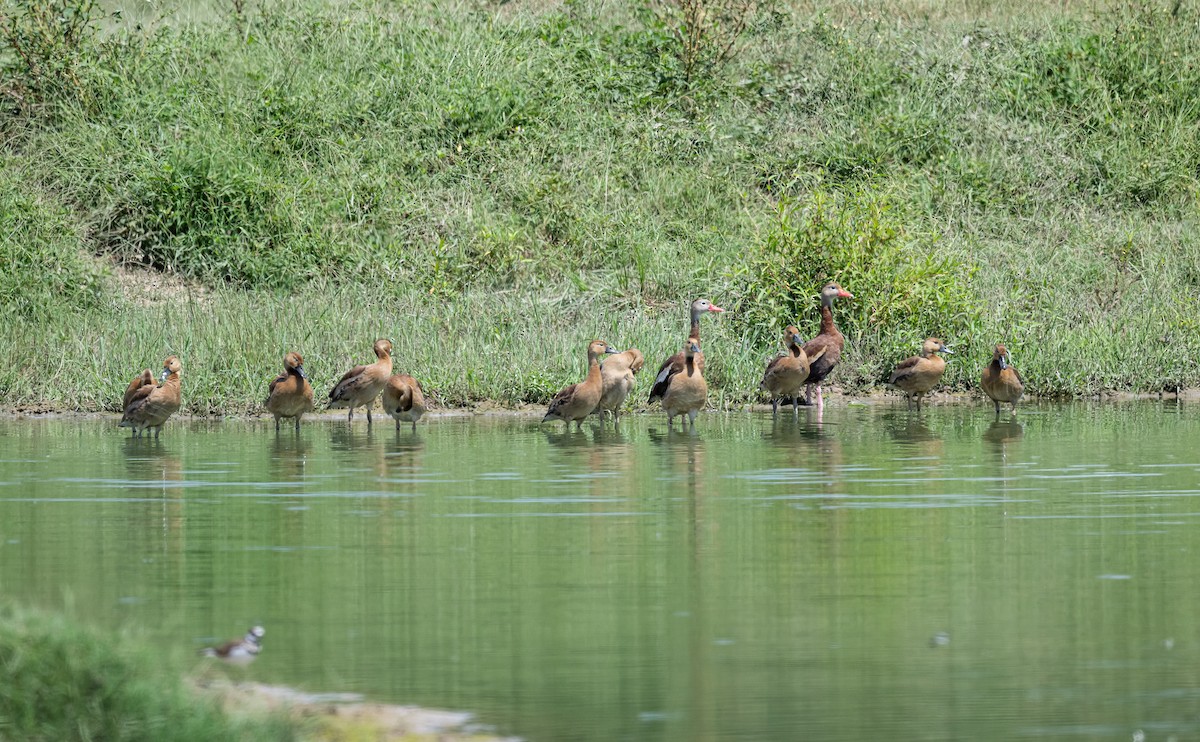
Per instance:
(686,391)
(149,406)
(617,376)
(1001,381)
(290,394)
(577,401)
(359,386)
(786,374)
(404,400)
(828,340)
(675,363)
(915,376)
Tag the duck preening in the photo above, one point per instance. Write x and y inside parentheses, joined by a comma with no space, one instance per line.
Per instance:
(786,374)
(1001,381)
(149,406)
(675,363)
(617,377)
(290,394)
(239,651)
(145,378)
(577,401)
(359,386)
(685,392)
(404,400)
(826,346)
(915,376)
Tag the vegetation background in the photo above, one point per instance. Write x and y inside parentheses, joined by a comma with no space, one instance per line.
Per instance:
(493,184)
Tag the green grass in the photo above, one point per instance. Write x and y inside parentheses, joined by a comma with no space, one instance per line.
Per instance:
(63,682)
(492,187)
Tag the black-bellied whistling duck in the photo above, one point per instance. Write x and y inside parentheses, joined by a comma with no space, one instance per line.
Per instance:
(1001,381)
(404,400)
(828,340)
(150,406)
(239,651)
(290,394)
(674,364)
(915,376)
(577,401)
(617,376)
(359,386)
(686,390)
(145,378)
(785,375)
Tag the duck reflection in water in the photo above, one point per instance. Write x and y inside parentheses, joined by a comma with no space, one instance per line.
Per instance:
(350,439)
(1003,433)
(289,455)
(796,431)
(151,462)
(915,437)
(404,452)
(566,437)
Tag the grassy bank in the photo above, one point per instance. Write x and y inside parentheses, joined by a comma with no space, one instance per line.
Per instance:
(490,187)
(64,682)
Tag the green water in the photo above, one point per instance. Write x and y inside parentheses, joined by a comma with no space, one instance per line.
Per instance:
(873,575)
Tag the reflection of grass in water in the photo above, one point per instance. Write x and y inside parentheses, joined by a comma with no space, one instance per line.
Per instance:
(66,682)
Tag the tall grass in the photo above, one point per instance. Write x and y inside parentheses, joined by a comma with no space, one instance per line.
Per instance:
(493,187)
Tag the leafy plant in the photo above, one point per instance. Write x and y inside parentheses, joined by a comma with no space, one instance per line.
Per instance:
(706,35)
(902,292)
(44,43)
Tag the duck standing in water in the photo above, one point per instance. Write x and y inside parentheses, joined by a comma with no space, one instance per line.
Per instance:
(675,363)
(786,374)
(404,400)
(290,394)
(685,392)
(239,651)
(359,386)
(149,406)
(577,401)
(1001,381)
(915,376)
(617,375)
(826,346)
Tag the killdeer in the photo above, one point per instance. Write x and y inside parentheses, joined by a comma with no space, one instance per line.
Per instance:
(239,651)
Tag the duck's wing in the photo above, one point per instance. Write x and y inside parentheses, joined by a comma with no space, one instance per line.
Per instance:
(772,366)
(275,382)
(137,399)
(904,369)
(564,397)
(141,381)
(348,381)
(669,368)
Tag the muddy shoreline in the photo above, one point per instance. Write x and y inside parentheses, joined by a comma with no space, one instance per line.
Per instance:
(498,409)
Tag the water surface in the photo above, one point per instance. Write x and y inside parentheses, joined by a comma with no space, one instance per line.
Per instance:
(872,575)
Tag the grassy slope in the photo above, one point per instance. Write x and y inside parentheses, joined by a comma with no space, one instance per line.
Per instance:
(493,188)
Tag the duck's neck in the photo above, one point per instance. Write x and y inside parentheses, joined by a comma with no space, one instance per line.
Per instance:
(827,326)
(172,379)
(385,361)
(593,367)
(695,331)
(795,349)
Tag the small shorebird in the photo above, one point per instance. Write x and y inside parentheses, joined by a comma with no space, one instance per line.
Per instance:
(239,651)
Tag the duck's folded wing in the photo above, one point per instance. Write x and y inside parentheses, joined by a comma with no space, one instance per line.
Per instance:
(904,369)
